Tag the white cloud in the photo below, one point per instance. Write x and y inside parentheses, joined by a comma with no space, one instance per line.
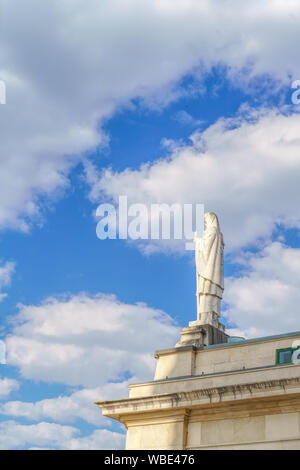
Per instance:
(6,271)
(7,386)
(81,341)
(14,435)
(55,436)
(100,439)
(246,169)
(186,119)
(88,341)
(69,64)
(78,405)
(265,299)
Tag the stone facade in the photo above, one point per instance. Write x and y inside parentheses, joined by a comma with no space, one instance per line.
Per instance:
(222,396)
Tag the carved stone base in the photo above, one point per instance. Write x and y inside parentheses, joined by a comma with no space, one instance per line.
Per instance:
(200,335)
(208,318)
(192,336)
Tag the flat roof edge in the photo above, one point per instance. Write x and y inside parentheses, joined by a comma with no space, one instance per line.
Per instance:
(159,352)
(254,340)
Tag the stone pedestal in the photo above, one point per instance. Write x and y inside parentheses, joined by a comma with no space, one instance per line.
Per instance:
(198,334)
(192,336)
(209,318)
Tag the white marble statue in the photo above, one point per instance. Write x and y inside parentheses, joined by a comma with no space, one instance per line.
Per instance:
(209,253)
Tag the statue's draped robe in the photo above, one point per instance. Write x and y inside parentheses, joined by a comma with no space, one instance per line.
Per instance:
(210,266)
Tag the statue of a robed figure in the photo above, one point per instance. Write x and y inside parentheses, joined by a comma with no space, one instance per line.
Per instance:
(209,253)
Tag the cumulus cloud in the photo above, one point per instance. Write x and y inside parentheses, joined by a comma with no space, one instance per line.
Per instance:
(14,435)
(7,386)
(55,436)
(95,342)
(88,341)
(101,439)
(68,408)
(69,64)
(6,271)
(186,119)
(265,299)
(246,169)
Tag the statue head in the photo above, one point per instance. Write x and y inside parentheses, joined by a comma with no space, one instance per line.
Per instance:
(211,221)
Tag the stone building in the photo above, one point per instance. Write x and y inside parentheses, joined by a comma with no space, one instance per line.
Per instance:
(212,391)
(241,394)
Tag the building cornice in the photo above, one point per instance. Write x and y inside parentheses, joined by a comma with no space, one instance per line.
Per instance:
(201,397)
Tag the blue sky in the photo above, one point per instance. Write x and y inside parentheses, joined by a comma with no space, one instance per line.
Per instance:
(209,111)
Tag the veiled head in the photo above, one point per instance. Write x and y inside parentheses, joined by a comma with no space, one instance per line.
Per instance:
(211,221)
